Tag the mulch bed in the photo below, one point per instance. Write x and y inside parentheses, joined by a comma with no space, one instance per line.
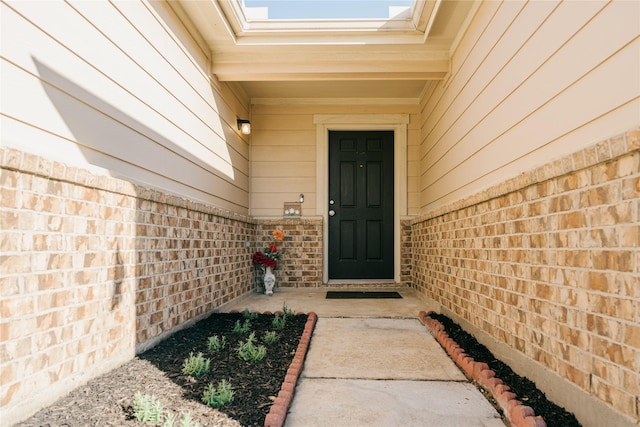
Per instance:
(107,400)
(524,389)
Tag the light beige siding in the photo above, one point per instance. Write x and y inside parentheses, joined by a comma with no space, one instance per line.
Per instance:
(122,89)
(530,82)
(284,150)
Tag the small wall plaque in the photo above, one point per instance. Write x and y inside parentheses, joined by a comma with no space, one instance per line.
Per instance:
(292,210)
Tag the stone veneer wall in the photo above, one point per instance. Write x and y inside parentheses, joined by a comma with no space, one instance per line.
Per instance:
(548,264)
(300,264)
(95,269)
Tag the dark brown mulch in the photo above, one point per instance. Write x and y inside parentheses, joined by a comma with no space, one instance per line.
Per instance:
(525,390)
(107,400)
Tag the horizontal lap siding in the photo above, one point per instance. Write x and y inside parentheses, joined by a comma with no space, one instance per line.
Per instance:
(121,89)
(283,154)
(530,82)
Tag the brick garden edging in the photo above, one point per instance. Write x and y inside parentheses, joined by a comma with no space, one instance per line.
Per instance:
(278,411)
(518,414)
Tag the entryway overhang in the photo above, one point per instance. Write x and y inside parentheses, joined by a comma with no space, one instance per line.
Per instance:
(253,53)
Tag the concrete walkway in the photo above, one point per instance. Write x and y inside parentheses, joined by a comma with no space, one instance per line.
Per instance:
(372,363)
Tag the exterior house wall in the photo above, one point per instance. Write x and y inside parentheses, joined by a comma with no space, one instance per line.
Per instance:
(300,265)
(530,82)
(283,153)
(543,264)
(96,269)
(545,270)
(284,150)
(122,89)
(124,192)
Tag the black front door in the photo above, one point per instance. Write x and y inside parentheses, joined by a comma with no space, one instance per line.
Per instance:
(360,205)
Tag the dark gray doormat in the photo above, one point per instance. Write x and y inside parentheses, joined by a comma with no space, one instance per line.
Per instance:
(361,294)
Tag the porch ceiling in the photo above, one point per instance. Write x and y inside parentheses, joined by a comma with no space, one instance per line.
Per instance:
(337,59)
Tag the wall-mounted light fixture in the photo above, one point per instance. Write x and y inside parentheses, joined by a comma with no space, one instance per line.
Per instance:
(244,126)
(301,198)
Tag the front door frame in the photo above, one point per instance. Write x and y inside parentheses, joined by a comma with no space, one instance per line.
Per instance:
(397,123)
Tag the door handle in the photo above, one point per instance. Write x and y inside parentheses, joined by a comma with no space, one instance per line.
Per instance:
(332,212)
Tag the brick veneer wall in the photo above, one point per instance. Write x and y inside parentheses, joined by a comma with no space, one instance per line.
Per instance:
(300,264)
(406,258)
(94,269)
(548,264)
(191,259)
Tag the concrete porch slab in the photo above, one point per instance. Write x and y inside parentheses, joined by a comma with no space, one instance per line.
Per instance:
(355,403)
(365,348)
(313,299)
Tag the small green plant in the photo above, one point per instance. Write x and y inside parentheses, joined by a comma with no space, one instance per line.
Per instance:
(249,352)
(217,343)
(147,408)
(286,311)
(249,314)
(218,396)
(279,322)
(271,337)
(169,420)
(242,328)
(196,366)
(187,421)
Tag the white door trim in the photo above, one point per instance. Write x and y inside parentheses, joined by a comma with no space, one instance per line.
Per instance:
(398,123)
